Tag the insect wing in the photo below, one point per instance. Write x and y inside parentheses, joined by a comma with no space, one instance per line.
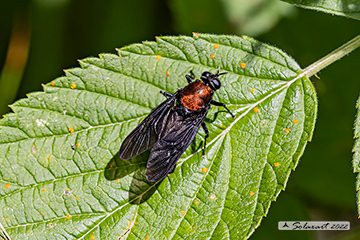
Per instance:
(146,133)
(173,142)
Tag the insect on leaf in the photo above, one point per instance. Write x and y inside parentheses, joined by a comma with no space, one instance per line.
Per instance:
(61,177)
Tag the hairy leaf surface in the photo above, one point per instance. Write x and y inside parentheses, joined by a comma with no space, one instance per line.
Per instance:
(346,8)
(61,177)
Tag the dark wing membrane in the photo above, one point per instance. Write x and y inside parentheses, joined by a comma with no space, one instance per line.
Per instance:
(146,133)
(176,138)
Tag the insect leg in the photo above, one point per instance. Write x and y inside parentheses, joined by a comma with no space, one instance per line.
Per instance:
(190,77)
(221,105)
(172,170)
(206,130)
(166,94)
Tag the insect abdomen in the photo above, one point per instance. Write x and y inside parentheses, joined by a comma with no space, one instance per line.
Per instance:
(195,95)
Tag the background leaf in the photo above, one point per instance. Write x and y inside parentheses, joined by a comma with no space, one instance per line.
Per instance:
(346,8)
(62,178)
(238,16)
(356,156)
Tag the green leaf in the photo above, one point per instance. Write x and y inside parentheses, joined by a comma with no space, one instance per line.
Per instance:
(256,17)
(242,16)
(53,188)
(356,156)
(346,8)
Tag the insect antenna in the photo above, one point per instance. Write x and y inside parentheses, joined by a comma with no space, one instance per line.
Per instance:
(219,73)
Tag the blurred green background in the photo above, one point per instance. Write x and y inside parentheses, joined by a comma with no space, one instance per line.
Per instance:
(40,38)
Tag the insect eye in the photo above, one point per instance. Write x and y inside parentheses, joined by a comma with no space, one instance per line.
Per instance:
(216,83)
(205,75)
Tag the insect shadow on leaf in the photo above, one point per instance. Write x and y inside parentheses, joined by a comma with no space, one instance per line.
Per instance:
(140,188)
(118,168)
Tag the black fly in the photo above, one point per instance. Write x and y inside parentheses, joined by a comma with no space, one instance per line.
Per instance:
(171,127)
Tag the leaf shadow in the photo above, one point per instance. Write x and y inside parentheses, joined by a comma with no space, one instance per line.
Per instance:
(209,120)
(140,188)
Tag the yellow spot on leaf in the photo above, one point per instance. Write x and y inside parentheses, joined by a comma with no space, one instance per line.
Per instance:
(5,220)
(92,237)
(243,65)
(77,144)
(68,216)
(167,73)
(43,190)
(29,232)
(256,110)
(212,197)
(71,130)
(287,130)
(252,90)
(216,45)
(77,198)
(212,56)
(117,179)
(251,193)
(48,159)
(276,164)
(204,170)
(146,237)
(52,84)
(41,213)
(221,126)
(295,121)
(195,201)
(158,57)
(183,213)
(196,34)
(73,86)
(7,185)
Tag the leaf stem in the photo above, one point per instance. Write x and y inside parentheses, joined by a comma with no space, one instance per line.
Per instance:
(332,57)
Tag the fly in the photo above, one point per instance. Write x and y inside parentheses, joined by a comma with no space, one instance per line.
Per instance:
(170,128)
